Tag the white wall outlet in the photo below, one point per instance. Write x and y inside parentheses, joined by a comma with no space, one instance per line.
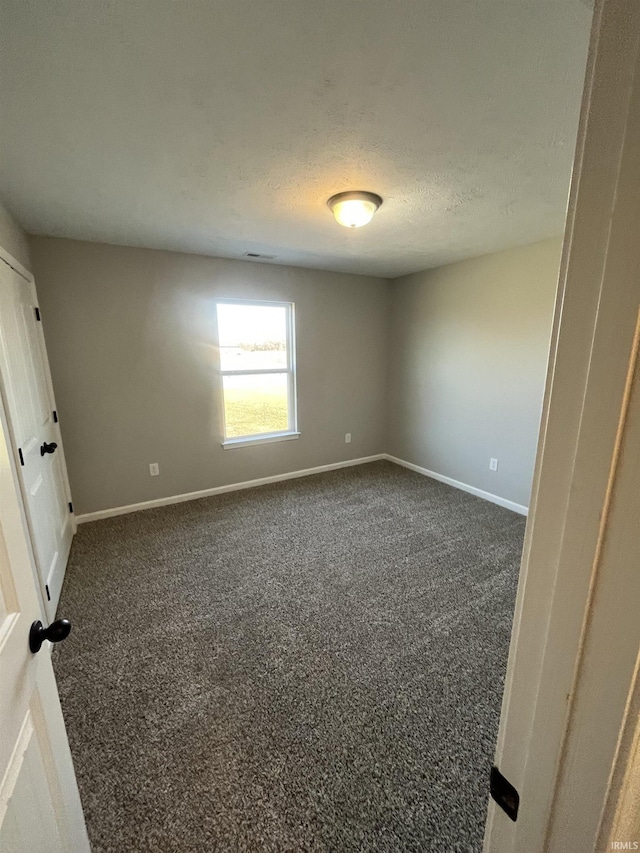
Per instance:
(347,438)
(154,469)
(493,464)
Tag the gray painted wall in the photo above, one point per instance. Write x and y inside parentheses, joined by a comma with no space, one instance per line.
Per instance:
(131,344)
(13,238)
(130,340)
(468,354)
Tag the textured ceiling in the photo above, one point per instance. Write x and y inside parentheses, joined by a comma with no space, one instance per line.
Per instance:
(223,127)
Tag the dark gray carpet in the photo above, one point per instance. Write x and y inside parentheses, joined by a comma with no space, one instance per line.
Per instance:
(315,665)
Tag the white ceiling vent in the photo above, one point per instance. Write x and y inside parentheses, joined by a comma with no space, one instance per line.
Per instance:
(258,257)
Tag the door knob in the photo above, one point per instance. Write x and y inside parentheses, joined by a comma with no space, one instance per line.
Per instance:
(58,630)
(48,448)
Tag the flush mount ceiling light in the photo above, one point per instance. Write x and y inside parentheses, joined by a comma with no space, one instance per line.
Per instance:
(355,208)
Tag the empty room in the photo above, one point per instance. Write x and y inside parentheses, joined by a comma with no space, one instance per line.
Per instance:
(284,287)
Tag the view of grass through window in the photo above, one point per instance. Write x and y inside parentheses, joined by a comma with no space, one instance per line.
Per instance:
(254,405)
(255,367)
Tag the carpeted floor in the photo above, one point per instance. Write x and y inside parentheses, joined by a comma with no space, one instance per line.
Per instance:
(315,665)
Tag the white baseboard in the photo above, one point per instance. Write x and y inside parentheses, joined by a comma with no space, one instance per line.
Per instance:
(292,475)
(496,499)
(219,490)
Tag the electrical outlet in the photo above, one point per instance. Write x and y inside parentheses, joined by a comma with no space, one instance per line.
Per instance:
(493,464)
(347,438)
(154,469)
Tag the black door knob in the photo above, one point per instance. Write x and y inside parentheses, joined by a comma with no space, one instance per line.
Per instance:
(58,630)
(48,448)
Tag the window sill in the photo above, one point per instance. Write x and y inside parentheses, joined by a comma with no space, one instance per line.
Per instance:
(230,443)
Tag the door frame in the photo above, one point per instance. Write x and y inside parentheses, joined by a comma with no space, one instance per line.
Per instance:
(22,271)
(592,340)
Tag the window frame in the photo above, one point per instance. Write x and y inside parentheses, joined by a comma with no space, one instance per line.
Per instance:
(292,431)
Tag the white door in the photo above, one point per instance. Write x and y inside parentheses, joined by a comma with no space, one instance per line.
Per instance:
(34,430)
(610,647)
(575,638)
(39,803)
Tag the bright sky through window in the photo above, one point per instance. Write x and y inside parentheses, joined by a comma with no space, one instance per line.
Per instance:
(256,323)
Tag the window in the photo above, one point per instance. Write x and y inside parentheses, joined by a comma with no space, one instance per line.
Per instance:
(256,341)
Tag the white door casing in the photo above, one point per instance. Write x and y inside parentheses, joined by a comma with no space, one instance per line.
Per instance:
(26,388)
(621,815)
(39,801)
(562,792)
(605,678)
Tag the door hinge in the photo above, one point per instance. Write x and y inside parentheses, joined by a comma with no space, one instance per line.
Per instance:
(21,456)
(504,794)
(46,586)
(55,417)
(37,310)
(70,507)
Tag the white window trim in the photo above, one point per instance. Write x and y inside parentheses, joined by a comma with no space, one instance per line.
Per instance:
(292,431)
(266,438)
